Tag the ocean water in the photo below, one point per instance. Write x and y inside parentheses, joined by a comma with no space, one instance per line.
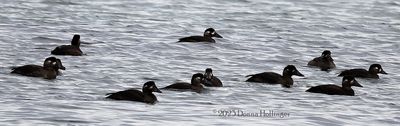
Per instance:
(129,42)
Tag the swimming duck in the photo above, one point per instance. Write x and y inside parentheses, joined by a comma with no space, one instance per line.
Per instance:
(210,80)
(72,49)
(274,78)
(373,71)
(47,71)
(324,62)
(331,89)
(195,84)
(146,95)
(207,37)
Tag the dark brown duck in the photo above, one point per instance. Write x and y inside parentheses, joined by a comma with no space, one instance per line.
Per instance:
(331,89)
(325,61)
(207,37)
(72,49)
(146,95)
(373,71)
(194,85)
(274,78)
(49,70)
(210,80)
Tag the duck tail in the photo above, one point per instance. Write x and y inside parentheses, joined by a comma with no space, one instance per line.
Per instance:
(13,67)
(249,75)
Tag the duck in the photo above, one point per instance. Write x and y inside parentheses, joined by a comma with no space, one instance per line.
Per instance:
(47,71)
(145,96)
(331,89)
(207,37)
(325,61)
(210,80)
(274,78)
(72,49)
(373,71)
(194,85)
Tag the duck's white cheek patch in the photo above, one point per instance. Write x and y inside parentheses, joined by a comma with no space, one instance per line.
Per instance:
(352,81)
(151,87)
(345,80)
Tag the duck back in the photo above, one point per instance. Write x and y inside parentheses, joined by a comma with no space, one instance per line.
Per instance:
(67,50)
(331,90)
(179,85)
(266,77)
(196,39)
(131,95)
(322,63)
(357,73)
(213,82)
(28,70)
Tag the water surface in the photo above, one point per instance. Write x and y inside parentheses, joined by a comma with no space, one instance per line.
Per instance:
(129,42)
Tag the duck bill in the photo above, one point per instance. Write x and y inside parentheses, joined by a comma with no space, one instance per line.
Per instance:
(298,74)
(383,72)
(355,83)
(157,90)
(217,35)
(62,67)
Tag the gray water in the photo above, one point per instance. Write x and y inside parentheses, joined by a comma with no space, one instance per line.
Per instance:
(129,42)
